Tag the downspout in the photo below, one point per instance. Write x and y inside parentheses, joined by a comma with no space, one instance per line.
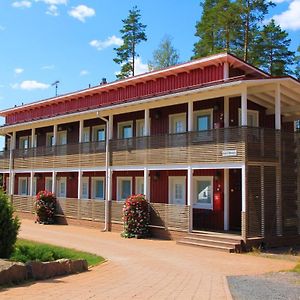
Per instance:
(106,213)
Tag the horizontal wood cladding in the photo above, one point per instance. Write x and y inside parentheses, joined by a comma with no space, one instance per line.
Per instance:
(149,88)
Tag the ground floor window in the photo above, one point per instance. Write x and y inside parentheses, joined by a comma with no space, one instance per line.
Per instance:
(124,188)
(23,186)
(203,187)
(139,185)
(85,188)
(177,190)
(48,184)
(98,188)
(62,187)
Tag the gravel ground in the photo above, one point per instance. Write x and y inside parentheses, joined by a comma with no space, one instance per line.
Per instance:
(275,286)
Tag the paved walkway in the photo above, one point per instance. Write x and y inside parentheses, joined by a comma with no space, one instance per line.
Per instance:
(141,269)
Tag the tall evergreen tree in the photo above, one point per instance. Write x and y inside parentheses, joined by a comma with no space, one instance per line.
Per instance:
(166,55)
(272,50)
(133,32)
(297,61)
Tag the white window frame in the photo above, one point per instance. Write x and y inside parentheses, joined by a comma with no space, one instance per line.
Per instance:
(95,130)
(22,139)
(85,180)
(86,133)
(252,112)
(208,206)
(139,182)
(173,118)
(49,136)
(58,182)
(140,124)
(203,112)
(59,137)
(120,128)
(48,181)
(119,185)
(171,180)
(20,186)
(94,186)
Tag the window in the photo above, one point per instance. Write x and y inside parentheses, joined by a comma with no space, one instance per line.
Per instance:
(203,192)
(24,142)
(139,185)
(98,188)
(62,187)
(85,188)
(34,191)
(125,130)
(50,139)
(140,126)
(177,193)
(177,123)
(62,138)
(124,187)
(99,133)
(23,186)
(252,118)
(48,184)
(86,135)
(203,119)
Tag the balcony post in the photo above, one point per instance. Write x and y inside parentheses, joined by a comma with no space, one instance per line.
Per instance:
(31,184)
(33,138)
(190,116)
(277,107)
(146,184)
(54,135)
(190,196)
(80,136)
(12,183)
(226,199)
(226,112)
(79,191)
(13,141)
(147,123)
(244,121)
(54,182)
(111,127)
(244,204)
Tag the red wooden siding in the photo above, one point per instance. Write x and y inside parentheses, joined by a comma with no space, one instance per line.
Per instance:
(140,90)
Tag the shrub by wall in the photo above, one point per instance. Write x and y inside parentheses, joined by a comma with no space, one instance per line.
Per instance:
(45,205)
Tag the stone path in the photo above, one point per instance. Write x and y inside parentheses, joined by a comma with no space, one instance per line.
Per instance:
(140,269)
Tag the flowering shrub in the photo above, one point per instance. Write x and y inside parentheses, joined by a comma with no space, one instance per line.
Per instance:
(45,205)
(135,216)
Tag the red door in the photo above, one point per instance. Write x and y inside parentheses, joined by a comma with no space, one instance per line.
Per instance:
(235,199)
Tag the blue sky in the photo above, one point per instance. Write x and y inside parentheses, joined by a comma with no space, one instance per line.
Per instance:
(72,40)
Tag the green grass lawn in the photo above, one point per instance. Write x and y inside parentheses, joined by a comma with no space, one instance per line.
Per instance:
(30,251)
(297,269)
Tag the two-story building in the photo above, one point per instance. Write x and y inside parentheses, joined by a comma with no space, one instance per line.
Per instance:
(211,143)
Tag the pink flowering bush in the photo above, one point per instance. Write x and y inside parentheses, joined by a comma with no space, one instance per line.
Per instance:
(45,205)
(136,217)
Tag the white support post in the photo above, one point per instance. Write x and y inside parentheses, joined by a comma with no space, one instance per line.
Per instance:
(190,201)
(54,135)
(80,136)
(226,112)
(53,182)
(226,71)
(31,183)
(109,184)
(190,116)
(147,122)
(226,199)
(244,107)
(111,127)
(12,183)
(277,107)
(244,187)
(33,144)
(79,193)
(13,142)
(146,184)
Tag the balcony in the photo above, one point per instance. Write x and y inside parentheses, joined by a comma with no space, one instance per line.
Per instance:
(224,145)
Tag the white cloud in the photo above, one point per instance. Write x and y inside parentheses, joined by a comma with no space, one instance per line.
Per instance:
(84,72)
(52,10)
(48,67)
(81,12)
(289,19)
(18,71)
(53,2)
(140,67)
(30,85)
(110,41)
(22,4)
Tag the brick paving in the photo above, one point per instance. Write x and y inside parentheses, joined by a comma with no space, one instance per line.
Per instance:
(140,269)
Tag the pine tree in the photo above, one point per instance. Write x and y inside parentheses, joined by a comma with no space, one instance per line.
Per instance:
(166,55)
(133,32)
(272,50)
(297,62)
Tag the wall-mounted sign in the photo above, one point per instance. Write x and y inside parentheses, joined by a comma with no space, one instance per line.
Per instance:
(226,153)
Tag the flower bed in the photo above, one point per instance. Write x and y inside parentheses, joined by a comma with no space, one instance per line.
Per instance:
(136,217)
(45,205)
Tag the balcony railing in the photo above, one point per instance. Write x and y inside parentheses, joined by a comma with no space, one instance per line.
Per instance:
(222,145)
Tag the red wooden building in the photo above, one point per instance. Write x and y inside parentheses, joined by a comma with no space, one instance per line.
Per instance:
(211,143)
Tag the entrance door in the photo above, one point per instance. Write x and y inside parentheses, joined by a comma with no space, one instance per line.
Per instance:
(177,190)
(235,199)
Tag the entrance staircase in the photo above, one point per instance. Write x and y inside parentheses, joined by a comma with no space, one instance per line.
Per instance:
(212,240)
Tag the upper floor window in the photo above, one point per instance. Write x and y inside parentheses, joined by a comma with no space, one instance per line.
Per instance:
(140,127)
(125,130)
(86,135)
(25,142)
(50,139)
(177,123)
(99,133)
(252,118)
(62,138)
(203,119)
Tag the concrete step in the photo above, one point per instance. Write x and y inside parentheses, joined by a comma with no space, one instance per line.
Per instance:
(209,246)
(216,236)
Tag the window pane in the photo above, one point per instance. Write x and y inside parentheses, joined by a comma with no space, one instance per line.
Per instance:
(63,189)
(126,189)
(86,135)
(204,192)
(23,186)
(179,126)
(178,191)
(99,189)
(85,190)
(100,135)
(203,122)
(48,184)
(127,131)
